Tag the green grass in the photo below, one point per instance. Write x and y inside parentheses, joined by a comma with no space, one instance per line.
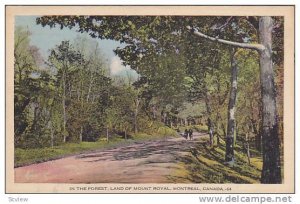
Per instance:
(206,164)
(25,157)
(201,128)
(198,128)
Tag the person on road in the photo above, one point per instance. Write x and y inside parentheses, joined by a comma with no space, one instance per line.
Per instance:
(191,134)
(186,134)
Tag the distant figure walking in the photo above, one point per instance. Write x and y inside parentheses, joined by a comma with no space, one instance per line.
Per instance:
(190,134)
(186,134)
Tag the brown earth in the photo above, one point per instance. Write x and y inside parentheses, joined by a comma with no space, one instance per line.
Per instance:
(144,162)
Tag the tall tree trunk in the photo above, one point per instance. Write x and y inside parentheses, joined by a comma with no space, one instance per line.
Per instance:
(82,108)
(165,118)
(64,107)
(107,134)
(256,127)
(154,112)
(52,134)
(223,128)
(90,87)
(257,134)
(248,148)
(218,128)
(211,133)
(80,135)
(271,172)
(136,111)
(221,100)
(209,122)
(135,121)
(229,156)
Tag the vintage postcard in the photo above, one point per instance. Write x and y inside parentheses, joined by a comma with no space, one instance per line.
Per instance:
(150,99)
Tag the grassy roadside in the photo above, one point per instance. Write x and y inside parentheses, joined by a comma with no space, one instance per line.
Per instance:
(25,157)
(206,164)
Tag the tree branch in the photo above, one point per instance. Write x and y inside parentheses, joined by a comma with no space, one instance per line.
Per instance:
(225,24)
(257,47)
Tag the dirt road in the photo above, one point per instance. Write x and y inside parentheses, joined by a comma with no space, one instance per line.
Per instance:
(147,162)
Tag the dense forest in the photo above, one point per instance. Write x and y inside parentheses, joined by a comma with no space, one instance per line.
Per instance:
(219,75)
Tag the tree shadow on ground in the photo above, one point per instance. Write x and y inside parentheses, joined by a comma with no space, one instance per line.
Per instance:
(198,163)
(142,150)
(206,165)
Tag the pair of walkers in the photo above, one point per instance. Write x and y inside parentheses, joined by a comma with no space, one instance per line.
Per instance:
(188,134)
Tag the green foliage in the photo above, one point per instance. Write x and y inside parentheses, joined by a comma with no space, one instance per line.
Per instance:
(205,165)
(166,131)
(76,101)
(181,81)
(172,62)
(30,104)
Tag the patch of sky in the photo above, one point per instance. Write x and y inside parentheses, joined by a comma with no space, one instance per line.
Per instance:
(46,38)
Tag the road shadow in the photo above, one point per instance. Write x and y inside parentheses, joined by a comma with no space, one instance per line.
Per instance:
(193,161)
(143,150)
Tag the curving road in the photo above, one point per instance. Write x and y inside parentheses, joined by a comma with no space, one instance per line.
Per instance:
(147,162)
